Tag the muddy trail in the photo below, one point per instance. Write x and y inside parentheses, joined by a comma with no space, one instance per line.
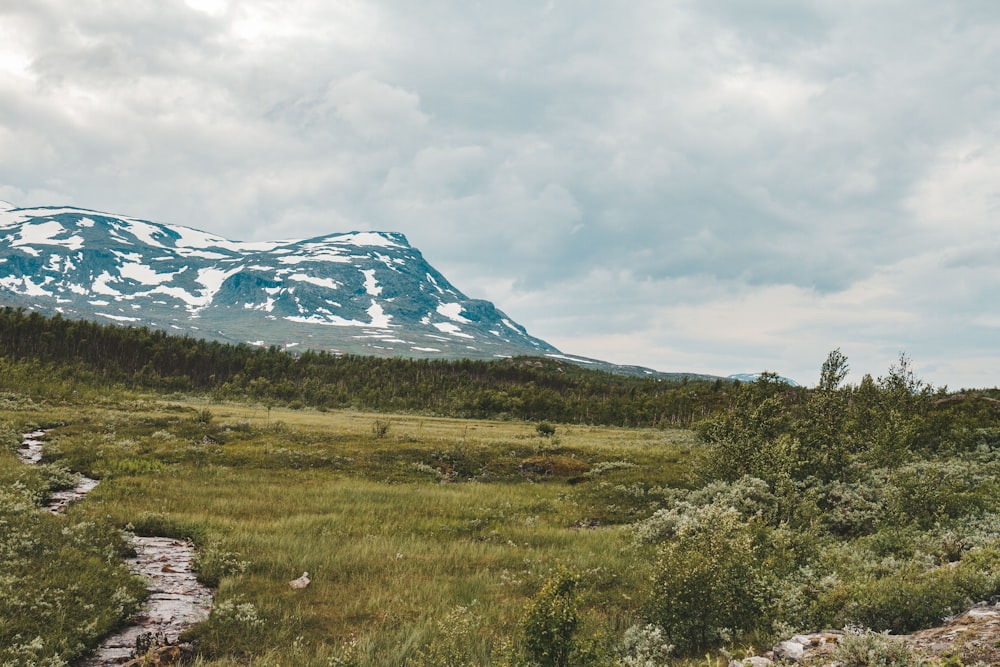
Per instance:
(176,600)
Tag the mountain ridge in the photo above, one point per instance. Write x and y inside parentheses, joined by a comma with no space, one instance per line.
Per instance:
(353,292)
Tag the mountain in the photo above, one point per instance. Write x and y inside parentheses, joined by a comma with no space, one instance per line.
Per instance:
(358,292)
(753,377)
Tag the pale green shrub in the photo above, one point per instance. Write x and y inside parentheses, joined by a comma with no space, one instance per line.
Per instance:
(860,647)
(644,646)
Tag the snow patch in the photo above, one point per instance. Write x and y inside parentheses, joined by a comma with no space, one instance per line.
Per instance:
(179,294)
(329,283)
(100,285)
(193,238)
(201,254)
(45,233)
(510,325)
(21,285)
(453,312)
(371,285)
(31,289)
(145,232)
(563,356)
(431,280)
(329,320)
(379,318)
(17,216)
(144,274)
(317,257)
(449,328)
(118,318)
(212,279)
(425,349)
(366,239)
(267,306)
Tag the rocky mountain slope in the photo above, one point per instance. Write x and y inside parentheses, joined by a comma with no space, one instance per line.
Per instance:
(357,292)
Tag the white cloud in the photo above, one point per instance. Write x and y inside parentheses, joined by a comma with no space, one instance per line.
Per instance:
(960,193)
(373,109)
(708,186)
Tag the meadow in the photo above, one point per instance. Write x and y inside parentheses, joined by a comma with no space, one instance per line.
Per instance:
(424,537)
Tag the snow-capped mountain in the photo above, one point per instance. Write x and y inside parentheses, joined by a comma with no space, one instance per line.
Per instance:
(357,292)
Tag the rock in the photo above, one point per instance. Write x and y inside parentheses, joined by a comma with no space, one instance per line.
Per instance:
(753,661)
(301,582)
(160,656)
(789,650)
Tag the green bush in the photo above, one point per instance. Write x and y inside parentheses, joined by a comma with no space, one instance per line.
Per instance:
(914,597)
(712,581)
(545,429)
(551,621)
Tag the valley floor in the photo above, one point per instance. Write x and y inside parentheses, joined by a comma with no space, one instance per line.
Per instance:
(423,537)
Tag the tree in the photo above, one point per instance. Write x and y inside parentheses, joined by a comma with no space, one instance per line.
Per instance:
(834,371)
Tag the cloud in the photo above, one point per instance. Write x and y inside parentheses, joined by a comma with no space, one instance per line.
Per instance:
(699,185)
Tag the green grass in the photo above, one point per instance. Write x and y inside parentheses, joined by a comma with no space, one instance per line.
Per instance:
(62,580)
(423,543)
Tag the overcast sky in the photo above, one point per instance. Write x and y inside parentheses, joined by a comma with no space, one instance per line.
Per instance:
(690,185)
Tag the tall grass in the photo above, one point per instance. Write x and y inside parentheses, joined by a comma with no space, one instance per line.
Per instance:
(423,543)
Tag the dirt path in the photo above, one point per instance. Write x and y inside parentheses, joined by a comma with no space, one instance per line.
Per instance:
(176,600)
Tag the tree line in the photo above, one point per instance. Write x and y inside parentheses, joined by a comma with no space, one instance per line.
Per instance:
(58,354)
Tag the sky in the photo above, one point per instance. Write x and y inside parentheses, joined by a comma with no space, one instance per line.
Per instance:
(689,185)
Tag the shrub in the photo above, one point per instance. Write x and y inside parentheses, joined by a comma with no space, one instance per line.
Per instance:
(644,646)
(711,582)
(748,496)
(864,648)
(551,621)
(380,428)
(914,598)
(212,563)
(545,429)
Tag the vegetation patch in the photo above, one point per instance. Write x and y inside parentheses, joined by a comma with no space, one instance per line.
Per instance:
(442,540)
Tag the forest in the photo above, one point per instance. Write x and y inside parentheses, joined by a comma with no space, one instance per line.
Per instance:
(534,389)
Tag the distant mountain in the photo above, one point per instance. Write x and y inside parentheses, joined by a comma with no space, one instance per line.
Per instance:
(358,292)
(753,377)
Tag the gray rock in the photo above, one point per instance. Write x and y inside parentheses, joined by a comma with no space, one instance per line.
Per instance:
(755,661)
(789,650)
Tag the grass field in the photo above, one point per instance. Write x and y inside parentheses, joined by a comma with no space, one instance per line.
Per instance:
(424,538)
